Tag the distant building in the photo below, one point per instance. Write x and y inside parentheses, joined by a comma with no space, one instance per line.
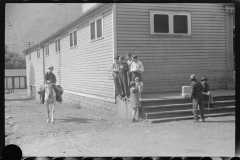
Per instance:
(15,78)
(172,40)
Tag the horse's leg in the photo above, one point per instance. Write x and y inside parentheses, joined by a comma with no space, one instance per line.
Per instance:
(48,118)
(53,110)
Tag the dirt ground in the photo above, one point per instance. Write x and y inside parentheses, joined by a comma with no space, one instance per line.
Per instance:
(83,132)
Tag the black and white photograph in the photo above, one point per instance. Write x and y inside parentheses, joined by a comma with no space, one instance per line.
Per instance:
(120,79)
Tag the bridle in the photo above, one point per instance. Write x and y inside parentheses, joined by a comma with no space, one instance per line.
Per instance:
(49,83)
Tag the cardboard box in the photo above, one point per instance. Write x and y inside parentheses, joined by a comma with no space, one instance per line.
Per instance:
(186,91)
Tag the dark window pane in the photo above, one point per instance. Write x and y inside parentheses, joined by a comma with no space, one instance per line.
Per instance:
(48,49)
(59,45)
(75,38)
(71,43)
(93,30)
(56,46)
(180,24)
(161,23)
(99,28)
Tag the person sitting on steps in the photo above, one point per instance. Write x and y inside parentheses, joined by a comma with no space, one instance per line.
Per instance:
(50,76)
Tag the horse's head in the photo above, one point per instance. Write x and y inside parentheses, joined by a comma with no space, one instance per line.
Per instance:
(48,88)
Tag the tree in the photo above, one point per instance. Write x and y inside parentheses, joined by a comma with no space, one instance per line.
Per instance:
(14,60)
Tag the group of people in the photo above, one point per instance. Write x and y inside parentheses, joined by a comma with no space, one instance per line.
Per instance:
(200,93)
(126,74)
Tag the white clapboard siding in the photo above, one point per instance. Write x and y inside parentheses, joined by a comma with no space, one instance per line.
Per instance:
(84,68)
(170,60)
(28,63)
(53,60)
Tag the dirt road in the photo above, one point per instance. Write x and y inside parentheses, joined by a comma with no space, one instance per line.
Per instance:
(82,132)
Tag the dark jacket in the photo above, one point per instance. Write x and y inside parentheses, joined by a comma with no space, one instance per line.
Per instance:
(50,77)
(205,87)
(124,69)
(205,90)
(197,90)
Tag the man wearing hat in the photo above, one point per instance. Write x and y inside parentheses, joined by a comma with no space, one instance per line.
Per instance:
(206,91)
(197,98)
(115,74)
(49,76)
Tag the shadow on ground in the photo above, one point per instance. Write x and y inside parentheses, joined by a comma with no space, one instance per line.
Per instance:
(18,99)
(77,120)
(231,121)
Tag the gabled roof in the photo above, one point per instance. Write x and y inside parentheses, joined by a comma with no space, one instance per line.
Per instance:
(64,28)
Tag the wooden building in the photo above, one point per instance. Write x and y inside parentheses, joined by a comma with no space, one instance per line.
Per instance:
(15,78)
(172,40)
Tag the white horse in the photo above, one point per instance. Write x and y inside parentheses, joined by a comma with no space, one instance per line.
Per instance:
(50,98)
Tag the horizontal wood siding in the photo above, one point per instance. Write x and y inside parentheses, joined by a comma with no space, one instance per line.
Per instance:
(34,69)
(28,63)
(84,68)
(170,60)
(53,60)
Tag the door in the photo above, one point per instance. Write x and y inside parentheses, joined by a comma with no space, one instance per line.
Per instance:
(16,82)
(9,82)
(230,23)
(22,82)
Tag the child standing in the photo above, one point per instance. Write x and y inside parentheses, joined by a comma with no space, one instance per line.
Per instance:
(134,99)
(139,85)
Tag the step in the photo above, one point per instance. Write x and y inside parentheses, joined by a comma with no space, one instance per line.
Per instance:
(181,113)
(224,98)
(185,106)
(187,117)
(153,102)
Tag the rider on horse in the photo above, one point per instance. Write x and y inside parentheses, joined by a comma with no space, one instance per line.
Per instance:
(49,76)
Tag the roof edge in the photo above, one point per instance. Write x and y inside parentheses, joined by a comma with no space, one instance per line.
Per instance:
(81,16)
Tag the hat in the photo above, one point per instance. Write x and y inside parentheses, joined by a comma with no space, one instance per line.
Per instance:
(116,57)
(51,67)
(129,54)
(193,76)
(132,83)
(134,56)
(204,79)
(121,57)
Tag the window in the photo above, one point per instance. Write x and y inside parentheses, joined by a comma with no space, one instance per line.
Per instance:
(96,29)
(46,50)
(38,53)
(73,39)
(29,56)
(57,45)
(170,23)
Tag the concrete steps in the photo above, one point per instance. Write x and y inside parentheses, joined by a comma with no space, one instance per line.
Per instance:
(187,117)
(177,109)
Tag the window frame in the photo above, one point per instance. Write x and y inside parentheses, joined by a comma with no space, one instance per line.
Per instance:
(72,32)
(29,56)
(95,24)
(58,46)
(46,50)
(171,22)
(38,53)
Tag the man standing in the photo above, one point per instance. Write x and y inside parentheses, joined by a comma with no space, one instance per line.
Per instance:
(197,98)
(136,68)
(123,69)
(207,92)
(129,62)
(115,74)
(49,76)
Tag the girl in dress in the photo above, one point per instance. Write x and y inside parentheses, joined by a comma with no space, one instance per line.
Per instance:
(134,99)
(139,85)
